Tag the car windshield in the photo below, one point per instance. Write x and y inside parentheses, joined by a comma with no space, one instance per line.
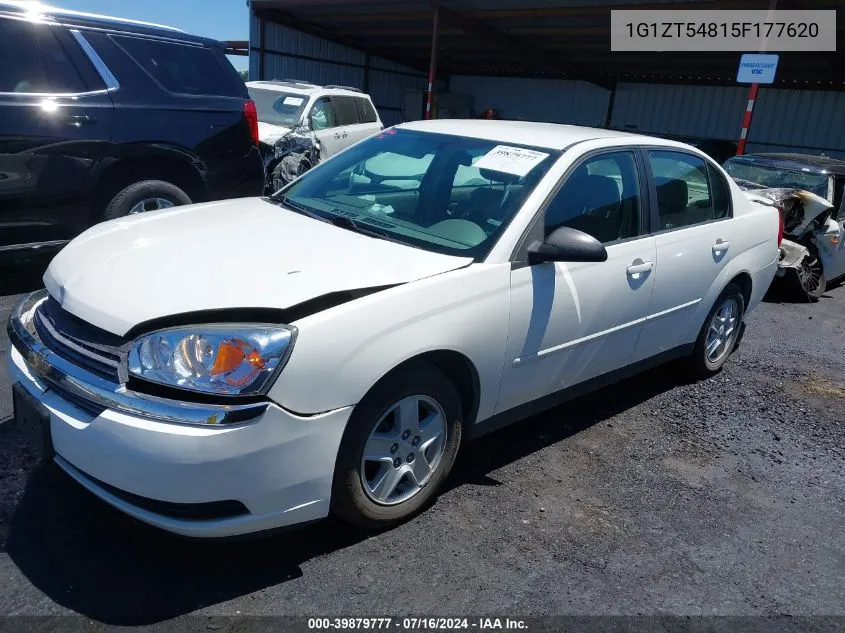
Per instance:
(769,176)
(278,108)
(448,194)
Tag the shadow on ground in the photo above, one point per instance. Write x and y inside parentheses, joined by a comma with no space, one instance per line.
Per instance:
(106,566)
(23,274)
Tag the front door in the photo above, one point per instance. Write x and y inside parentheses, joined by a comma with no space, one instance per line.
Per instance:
(55,121)
(574,321)
(323,121)
(831,241)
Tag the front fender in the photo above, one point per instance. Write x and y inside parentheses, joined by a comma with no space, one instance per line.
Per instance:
(342,352)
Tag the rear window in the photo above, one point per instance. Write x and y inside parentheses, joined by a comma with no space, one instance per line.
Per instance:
(366,111)
(345,110)
(180,68)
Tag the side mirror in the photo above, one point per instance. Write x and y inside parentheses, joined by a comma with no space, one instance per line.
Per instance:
(565,244)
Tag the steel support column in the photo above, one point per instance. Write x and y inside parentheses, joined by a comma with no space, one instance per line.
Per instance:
(432,68)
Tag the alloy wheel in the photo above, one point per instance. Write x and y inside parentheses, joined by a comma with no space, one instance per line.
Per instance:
(721,331)
(150,204)
(403,450)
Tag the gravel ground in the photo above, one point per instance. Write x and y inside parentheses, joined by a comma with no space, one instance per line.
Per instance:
(723,497)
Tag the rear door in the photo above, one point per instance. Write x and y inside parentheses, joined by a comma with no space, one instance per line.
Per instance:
(55,122)
(695,240)
(369,122)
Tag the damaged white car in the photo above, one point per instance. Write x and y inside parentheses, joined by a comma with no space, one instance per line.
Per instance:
(300,124)
(808,190)
(237,366)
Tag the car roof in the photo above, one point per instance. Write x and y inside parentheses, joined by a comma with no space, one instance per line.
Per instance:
(303,87)
(38,10)
(548,135)
(795,162)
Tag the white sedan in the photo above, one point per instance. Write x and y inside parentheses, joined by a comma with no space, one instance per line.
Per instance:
(236,366)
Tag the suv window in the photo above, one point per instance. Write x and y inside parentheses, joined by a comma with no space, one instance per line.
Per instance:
(601,197)
(683,190)
(366,111)
(33,60)
(345,110)
(180,68)
(322,115)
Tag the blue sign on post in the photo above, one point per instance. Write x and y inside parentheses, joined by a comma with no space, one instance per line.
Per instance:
(757,69)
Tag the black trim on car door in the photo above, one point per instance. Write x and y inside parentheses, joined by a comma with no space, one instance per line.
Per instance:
(534,232)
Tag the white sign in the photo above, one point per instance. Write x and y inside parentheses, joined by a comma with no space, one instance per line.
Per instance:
(293,101)
(510,160)
(757,69)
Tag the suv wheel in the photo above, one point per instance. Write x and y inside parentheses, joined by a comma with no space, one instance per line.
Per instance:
(147,195)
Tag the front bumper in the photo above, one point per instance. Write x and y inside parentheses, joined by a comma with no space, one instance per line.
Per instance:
(136,452)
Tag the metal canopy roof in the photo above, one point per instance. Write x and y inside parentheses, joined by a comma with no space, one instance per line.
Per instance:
(554,38)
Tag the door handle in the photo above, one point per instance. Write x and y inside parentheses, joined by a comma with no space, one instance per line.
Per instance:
(79,119)
(721,246)
(636,269)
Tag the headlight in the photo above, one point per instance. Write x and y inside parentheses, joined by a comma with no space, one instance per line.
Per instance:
(215,359)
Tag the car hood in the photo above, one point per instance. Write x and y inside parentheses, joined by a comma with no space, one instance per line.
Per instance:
(242,253)
(269,133)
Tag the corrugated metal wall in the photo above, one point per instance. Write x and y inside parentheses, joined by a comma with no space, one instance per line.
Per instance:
(808,121)
(708,111)
(553,100)
(291,54)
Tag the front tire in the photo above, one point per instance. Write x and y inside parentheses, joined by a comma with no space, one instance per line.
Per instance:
(719,334)
(810,277)
(398,448)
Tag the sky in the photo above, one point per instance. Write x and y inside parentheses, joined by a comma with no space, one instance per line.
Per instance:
(220,19)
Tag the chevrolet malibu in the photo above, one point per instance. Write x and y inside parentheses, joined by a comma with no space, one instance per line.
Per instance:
(232,367)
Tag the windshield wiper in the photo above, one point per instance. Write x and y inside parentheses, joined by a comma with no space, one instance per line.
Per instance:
(299,207)
(345,222)
(339,220)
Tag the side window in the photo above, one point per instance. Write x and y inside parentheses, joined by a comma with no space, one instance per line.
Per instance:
(683,189)
(345,110)
(63,74)
(366,111)
(22,67)
(180,68)
(322,115)
(601,197)
(721,194)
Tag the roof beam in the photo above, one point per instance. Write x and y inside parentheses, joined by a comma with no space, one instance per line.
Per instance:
(519,45)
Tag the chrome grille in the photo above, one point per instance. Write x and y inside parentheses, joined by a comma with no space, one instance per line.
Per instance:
(80,343)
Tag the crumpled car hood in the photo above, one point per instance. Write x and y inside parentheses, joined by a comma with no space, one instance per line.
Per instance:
(800,207)
(269,133)
(241,253)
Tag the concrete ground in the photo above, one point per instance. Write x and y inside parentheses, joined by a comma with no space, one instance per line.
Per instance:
(723,497)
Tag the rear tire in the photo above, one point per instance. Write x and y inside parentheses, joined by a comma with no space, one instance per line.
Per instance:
(719,334)
(147,195)
(389,466)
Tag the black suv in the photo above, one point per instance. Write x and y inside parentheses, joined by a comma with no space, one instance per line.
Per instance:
(102,117)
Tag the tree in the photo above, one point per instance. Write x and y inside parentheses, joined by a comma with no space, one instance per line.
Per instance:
(244,75)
